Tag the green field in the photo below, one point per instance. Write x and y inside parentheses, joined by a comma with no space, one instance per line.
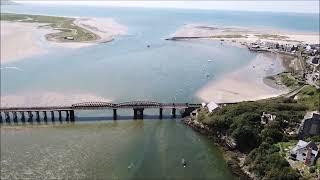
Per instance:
(310,97)
(64,25)
(285,147)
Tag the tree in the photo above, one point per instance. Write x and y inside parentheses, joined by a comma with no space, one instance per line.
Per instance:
(272,133)
(246,137)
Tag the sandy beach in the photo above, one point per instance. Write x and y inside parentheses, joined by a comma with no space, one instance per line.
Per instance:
(48,98)
(246,35)
(21,39)
(246,83)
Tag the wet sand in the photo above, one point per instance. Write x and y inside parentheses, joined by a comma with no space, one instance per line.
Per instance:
(246,83)
(20,40)
(48,98)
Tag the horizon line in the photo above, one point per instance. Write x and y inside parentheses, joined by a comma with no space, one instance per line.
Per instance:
(305,7)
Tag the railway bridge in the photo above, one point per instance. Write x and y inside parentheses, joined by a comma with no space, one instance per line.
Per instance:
(137,106)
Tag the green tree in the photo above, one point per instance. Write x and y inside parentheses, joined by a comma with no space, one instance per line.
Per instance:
(246,137)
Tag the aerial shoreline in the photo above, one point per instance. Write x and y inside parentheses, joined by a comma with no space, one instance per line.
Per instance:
(29,37)
(243,35)
(247,83)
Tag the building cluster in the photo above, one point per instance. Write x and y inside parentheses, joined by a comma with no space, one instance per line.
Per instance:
(307,152)
(312,73)
(309,52)
(306,49)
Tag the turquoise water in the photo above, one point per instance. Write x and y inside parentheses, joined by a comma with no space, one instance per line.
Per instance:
(125,70)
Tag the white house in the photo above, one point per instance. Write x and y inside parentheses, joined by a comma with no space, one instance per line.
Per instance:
(306,152)
(266,118)
(212,106)
(69,38)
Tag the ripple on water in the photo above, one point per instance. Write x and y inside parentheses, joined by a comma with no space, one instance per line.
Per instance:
(121,149)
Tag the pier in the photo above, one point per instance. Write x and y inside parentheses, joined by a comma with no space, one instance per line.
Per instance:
(67,113)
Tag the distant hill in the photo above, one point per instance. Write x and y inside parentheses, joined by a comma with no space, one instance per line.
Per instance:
(7,2)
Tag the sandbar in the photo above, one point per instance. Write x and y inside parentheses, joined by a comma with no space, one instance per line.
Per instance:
(23,39)
(245,35)
(246,83)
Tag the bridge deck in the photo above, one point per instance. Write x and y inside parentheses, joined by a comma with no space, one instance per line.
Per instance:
(103,105)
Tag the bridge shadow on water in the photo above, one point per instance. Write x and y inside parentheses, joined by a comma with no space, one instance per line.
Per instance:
(119,118)
(90,119)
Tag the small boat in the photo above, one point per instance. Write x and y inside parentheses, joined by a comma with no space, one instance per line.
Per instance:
(148,46)
(209,60)
(131,166)
(183,162)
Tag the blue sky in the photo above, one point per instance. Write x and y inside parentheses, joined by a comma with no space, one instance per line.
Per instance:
(305,6)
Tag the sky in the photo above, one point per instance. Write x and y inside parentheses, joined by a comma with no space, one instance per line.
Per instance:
(306,6)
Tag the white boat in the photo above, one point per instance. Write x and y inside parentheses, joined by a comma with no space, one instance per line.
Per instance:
(184,163)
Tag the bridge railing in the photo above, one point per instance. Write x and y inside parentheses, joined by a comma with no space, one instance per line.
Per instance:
(35,108)
(103,105)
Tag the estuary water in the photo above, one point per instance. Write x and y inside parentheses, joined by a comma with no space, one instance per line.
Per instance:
(126,70)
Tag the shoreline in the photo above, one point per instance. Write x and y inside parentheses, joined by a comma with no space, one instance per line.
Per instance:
(26,39)
(248,83)
(233,159)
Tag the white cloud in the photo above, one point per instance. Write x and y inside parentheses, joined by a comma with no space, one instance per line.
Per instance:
(276,6)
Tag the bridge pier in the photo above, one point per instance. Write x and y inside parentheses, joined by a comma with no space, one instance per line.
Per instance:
(45,116)
(37,117)
(23,118)
(67,116)
(30,116)
(72,115)
(6,114)
(138,113)
(160,113)
(114,114)
(52,116)
(15,117)
(174,112)
(60,116)
(7,117)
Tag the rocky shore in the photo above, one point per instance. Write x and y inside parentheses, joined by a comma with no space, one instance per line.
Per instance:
(234,158)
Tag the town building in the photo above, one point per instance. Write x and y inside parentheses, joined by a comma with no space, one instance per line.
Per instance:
(306,152)
(315,60)
(212,106)
(310,125)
